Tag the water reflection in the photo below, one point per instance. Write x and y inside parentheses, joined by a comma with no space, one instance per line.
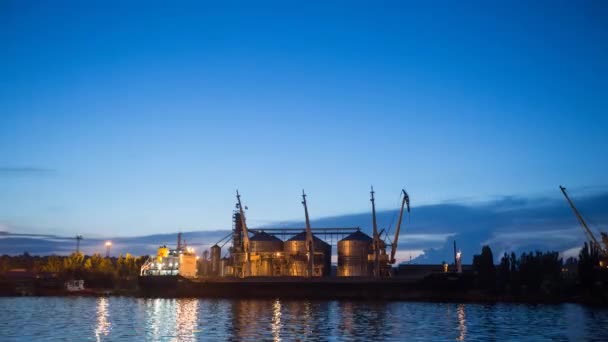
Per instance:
(103,325)
(346,318)
(279,320)
(462,328)
(276,321)
(364,320)
(187,317)
(171,319)
(155,316)
(249,318)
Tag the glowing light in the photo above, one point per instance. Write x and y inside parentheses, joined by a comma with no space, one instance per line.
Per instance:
(108,243)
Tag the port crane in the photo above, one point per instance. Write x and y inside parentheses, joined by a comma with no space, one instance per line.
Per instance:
(310,251)
(246,263)
(405,201)
(592,240)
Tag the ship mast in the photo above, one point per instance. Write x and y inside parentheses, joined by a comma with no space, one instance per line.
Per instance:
(376,241)
(309,240)
(246,265)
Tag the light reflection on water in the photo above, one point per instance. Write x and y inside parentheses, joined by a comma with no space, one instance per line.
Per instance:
(462,328)
(276,321)
(133,319)
(103,325)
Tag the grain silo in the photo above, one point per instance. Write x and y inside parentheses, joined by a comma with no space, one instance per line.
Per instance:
(353,253)
(297,259)
(216,256)
(265,254)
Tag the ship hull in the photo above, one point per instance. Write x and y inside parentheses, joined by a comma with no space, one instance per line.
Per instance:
(290,287)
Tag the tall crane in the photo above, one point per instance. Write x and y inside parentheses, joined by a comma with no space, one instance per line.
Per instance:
(405,201)
(590,235)
(310,250)
(246,264)
(376,238)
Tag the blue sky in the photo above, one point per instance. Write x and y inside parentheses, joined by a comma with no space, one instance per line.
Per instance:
(125,120)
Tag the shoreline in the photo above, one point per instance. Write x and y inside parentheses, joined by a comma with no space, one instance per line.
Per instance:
(436,290)
(413,297)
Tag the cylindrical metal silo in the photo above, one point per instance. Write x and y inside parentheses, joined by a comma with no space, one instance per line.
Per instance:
(264,249)
(216,255)
(295,251)
(265,243)
(353,253)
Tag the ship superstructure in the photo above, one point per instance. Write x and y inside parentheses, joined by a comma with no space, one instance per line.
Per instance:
(172,262)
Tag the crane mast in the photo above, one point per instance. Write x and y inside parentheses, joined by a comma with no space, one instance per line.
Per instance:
(376,237)
(592,238)
(246,266)
(404,201)
(309,240)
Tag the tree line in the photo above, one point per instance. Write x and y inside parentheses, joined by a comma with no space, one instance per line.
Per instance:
(96,270)
(540,272)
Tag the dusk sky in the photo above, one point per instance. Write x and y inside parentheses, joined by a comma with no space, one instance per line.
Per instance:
(121,120)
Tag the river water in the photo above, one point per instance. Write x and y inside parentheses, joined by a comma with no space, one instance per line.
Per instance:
(134,319)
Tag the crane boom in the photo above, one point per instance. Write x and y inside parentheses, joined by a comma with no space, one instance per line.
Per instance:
(245,236)
(406,200)
(376,238)
(310,250)
(580,219)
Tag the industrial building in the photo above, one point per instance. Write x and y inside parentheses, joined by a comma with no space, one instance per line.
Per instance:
(297,252)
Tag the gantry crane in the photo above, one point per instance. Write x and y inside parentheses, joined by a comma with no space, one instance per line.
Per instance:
(246,263)
(405,201)
(592,240)
(310,250)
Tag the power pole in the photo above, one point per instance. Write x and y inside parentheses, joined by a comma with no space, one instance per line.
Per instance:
(78,238)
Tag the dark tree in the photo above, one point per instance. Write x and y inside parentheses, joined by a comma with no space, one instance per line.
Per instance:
(484,266)
(504,272)
(588,259)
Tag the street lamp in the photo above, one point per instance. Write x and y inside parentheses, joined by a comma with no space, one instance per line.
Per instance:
(108,246)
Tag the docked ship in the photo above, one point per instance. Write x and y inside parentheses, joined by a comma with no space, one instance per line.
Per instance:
(283,262)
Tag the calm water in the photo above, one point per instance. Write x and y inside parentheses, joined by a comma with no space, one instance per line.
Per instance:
(132,319)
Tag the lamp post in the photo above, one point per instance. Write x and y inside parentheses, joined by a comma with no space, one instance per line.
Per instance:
(108,246)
